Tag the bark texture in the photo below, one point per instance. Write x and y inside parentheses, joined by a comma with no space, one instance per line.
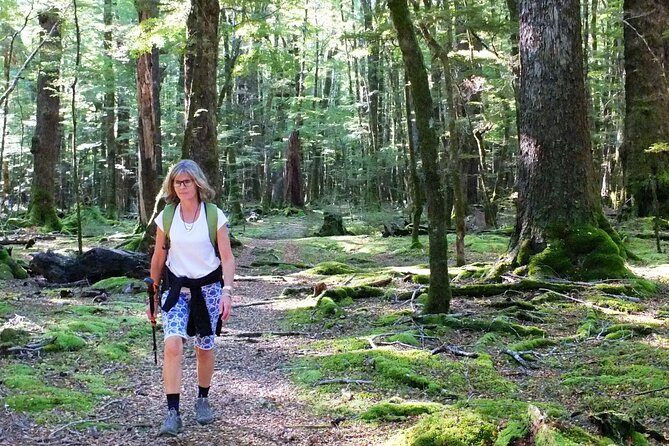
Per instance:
(200,137)
(439,295)
(46,139)
(556,182)
(294,183)
(646,102)
(148,124)
(560,228)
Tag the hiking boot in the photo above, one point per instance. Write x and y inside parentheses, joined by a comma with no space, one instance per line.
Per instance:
(172,425)
(203,412)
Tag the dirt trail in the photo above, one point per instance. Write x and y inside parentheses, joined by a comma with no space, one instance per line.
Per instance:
(255,401)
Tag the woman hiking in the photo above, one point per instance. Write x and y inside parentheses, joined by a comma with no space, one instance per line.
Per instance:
(198,284)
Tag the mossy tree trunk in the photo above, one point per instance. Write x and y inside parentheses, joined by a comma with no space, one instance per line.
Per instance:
(560,228)
(439,294)
(148,121)
(200,137)
(46,139)
(646,102)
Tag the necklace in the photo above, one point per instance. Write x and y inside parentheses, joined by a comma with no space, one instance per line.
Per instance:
(189,226)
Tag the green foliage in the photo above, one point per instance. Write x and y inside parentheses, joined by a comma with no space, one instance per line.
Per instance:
(92,222)
(341,294)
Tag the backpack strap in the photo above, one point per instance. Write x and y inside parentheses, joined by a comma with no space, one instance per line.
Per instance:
(211,212)
(168,216)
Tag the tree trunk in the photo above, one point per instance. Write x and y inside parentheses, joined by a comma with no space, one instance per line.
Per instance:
(45,141)
(147,124)
(416,180)
(200,140)
(439,294)
(560,228)
(646,101)
(109,115)
(293,181)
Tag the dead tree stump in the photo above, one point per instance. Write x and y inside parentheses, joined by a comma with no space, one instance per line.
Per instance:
(333,224)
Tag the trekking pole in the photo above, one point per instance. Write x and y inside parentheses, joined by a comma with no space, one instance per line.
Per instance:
(151,291)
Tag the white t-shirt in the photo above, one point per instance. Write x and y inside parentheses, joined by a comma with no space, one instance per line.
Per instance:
(191,253)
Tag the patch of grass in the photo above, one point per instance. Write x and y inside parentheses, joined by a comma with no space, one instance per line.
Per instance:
(332,268)
(487,243)
(340,345)
(388,411)
(622,370)
(405,337)
(88,309)
(391,318)
(114,351)
(30,394)
(117,285)
(96,384)
(616,304)
(406,372)
(64,341)
(531,344)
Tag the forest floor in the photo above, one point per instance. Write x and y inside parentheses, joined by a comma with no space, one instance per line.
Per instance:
(96,384)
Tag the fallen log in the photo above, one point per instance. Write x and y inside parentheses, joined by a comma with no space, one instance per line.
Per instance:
(94,265)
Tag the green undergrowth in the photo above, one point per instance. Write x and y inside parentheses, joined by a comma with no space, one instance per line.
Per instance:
(119,284)
(29,391)
(85,355)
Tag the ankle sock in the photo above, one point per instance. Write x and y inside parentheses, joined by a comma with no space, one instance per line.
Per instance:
(173,401)
(202,392)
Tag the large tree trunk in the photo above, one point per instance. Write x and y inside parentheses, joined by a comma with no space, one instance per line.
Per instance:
(45,141)
(439,295)
(200,141)
(560,229)
(646,101)
(150,155)
(294,193)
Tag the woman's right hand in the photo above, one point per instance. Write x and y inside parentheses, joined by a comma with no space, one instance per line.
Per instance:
(149,316)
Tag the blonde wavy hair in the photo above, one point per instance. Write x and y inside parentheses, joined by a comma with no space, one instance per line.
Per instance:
(204,190)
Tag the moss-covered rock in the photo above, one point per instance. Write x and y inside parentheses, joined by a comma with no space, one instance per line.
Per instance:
(12,337)
(327,307)
(10,268)
(332,268)
(454,427)
(340,294)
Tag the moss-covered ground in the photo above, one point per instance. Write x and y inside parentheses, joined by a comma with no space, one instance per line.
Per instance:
(571,356)
(560,367)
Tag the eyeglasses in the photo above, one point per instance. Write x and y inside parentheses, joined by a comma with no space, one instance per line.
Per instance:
(184,183)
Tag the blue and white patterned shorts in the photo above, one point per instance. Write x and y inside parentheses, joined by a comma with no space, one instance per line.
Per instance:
(175,321)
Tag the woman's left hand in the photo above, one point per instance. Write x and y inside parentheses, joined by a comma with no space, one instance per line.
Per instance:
(225,307)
